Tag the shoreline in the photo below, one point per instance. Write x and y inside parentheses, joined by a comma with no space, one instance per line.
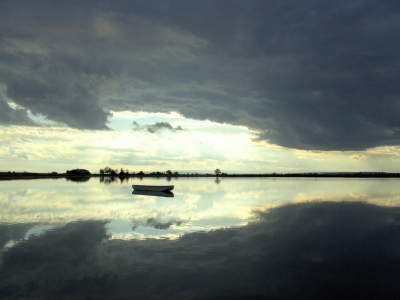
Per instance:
(26,175)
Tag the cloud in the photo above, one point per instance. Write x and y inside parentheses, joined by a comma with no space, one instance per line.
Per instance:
(17,116)
(153,222)
(314,75)
(75,107)
(358,156)
(158,126)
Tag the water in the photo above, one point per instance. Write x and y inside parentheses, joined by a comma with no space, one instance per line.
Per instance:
(237,238)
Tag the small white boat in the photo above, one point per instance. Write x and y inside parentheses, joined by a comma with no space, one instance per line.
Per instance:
(154,188)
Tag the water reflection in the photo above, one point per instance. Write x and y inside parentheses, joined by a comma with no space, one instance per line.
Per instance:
(203,203)
(108,180)
(152,193)
(78,179)
(315,250)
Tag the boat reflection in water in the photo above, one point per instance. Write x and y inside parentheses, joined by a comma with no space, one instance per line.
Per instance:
(154,188)
(153,193)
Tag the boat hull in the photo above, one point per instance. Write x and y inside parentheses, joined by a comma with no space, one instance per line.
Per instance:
(154,188)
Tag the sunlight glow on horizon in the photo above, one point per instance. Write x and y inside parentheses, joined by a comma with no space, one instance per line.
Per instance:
(185,144)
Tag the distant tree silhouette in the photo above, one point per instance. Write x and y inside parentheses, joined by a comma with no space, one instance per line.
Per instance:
(169,173)
(78,172)
(107,170)
(217,172)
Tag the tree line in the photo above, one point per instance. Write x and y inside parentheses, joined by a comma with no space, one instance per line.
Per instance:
(110,171)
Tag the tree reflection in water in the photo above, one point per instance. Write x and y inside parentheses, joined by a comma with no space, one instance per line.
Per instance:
(78,179)
(108,179)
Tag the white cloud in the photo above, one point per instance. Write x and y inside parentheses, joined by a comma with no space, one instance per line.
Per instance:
(358,156)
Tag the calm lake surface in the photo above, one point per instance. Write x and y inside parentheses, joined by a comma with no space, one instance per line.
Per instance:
(235,238)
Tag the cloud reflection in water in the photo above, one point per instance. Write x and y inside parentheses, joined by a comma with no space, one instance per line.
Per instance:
(330,250)
(198,202)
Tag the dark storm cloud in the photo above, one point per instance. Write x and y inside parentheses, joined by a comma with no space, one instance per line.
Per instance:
(311,75)
(10,116)
(153,128)
(75,107)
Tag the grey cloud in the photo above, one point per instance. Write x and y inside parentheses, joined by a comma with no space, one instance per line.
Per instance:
(153,222)
(75,107)
(324,74)
(10,116)
(158,126)
(309,75)
(59,64)
(358,156)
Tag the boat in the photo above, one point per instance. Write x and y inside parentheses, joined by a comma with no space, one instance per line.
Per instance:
(152,193)
(154,188)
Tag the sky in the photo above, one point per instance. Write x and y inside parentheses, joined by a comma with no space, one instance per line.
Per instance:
(191,86)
